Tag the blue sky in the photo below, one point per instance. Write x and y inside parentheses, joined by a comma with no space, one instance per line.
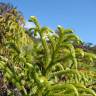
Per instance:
(79,15)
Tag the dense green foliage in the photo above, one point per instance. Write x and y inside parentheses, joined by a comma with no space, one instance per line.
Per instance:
(48,63)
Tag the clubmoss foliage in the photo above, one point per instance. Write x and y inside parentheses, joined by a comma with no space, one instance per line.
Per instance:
(44,64)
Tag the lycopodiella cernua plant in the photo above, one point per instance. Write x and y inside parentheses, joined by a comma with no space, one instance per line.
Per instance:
(45,63)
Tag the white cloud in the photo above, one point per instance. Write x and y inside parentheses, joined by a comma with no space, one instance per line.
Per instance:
(29,25)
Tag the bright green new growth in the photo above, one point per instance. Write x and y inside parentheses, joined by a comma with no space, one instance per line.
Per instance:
(48,67)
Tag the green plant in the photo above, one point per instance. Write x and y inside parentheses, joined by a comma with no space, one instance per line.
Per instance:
(50,66)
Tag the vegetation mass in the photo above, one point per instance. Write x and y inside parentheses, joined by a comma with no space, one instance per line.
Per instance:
(42,62)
